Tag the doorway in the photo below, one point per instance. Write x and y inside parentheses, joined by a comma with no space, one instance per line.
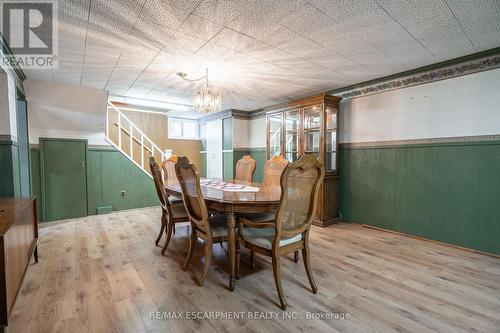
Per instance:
(64,178)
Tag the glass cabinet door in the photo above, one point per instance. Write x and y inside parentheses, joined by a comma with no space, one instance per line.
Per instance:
(274,135)
(330,139)
(292,132)
(312,130)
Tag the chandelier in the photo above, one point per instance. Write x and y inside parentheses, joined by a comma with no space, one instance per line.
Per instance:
(206,100)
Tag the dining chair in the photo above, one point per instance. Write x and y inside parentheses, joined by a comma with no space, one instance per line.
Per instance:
(171,213)
(245,167)
(289,230)
(273,169)
(209,228)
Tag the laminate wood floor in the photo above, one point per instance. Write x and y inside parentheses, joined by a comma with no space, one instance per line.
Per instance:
(104,274)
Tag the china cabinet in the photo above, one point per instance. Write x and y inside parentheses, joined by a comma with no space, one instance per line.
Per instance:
(309,125)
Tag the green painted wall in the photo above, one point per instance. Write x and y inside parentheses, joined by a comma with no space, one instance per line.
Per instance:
(446,192)
(10,181)
(203,166)
(36,186)
(109,172)
(228,165)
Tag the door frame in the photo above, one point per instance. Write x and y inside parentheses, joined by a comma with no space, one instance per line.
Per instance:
(42,172)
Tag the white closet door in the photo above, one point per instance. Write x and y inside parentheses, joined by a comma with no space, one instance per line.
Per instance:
(214,149)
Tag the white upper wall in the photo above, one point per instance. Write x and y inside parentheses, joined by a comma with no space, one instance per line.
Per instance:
(240,133)
(8,100)
(249,133)
(463,106)
(65,111)
(257,135)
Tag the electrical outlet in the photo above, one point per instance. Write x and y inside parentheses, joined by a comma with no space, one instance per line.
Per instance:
(124,193)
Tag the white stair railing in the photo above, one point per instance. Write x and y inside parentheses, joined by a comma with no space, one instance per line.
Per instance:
(126,137)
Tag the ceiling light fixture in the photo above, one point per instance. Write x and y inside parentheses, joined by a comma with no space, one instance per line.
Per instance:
(206,100)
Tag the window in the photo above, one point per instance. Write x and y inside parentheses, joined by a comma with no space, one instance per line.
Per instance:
(179,128)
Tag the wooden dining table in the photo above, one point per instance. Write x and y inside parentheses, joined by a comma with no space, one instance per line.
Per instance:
(265,200)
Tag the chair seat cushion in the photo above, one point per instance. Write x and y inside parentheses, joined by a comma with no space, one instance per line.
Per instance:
(258,217)
(218,225)
(263,237)
(175,201)
(179,212)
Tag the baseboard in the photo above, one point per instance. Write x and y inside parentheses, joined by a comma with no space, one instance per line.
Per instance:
(433,241)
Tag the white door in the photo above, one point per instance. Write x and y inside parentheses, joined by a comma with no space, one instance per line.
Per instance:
(214,149)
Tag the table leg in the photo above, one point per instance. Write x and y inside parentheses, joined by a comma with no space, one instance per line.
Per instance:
(231,248)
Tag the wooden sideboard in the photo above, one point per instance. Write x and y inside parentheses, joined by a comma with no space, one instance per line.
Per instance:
(18,243)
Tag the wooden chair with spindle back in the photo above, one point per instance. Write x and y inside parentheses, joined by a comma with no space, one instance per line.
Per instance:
(171,213)
(209,228)
(245,167)
(289,230)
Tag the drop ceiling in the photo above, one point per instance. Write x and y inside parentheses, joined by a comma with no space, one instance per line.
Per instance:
(259,52)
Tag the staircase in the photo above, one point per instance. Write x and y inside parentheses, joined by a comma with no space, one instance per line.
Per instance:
(125,136)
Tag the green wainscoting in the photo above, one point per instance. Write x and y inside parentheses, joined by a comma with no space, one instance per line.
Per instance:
(449,192)
(203,166)
(110,173)
(228,163)
(36,185)
(10,180)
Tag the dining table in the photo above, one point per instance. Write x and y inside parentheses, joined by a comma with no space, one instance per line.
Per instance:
(261,199)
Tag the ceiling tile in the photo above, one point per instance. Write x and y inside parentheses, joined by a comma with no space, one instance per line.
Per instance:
(222,12)
(481,23)
(308,21)
(170,14)
(151,35)
(410,13)
(289,41)
(443,37)
(199,27)
(237,41)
